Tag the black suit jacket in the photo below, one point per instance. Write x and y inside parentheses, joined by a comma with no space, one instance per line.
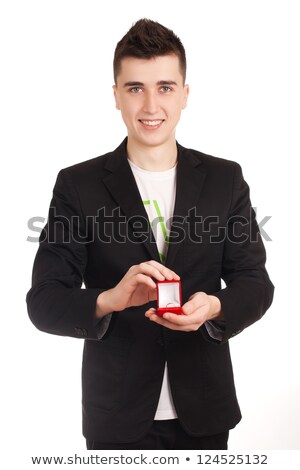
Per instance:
(122,372)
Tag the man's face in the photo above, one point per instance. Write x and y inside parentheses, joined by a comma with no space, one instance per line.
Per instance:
(151,94)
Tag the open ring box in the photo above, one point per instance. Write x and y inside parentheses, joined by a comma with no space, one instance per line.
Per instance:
(169,297)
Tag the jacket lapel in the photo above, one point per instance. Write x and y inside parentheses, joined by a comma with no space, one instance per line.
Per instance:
(190,180)
(121,184)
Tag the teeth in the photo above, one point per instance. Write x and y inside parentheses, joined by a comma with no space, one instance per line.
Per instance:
(151,123)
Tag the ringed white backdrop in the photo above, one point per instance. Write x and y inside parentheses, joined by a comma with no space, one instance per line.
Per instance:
(57,109)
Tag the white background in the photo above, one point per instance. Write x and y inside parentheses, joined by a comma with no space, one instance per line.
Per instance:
(57,109)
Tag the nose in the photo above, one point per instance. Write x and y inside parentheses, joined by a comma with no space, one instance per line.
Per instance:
(150,103)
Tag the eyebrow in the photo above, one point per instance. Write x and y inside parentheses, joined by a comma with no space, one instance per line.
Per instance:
(161,82)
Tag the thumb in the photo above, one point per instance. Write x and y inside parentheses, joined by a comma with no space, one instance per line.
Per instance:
(193,303)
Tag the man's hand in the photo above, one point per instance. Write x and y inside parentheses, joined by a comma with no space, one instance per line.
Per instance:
(135,288)
(199,309)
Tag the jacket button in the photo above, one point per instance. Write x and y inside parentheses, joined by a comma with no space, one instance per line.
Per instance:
(80,332)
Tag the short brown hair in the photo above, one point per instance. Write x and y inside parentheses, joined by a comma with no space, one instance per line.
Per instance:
(147,39)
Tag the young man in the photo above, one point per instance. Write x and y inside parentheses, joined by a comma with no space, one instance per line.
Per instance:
(151,211)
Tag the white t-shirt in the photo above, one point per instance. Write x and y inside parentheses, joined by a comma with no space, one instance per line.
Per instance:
(158,190)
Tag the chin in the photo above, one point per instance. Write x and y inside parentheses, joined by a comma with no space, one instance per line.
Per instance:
(155,141)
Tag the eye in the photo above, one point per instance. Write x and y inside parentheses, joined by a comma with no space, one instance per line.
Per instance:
(135,89)
(165,89)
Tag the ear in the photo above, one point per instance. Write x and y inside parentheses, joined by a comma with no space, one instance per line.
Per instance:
(186,91)
(116,96)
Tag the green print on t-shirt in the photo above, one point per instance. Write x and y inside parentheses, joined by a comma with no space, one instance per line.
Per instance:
(162,225)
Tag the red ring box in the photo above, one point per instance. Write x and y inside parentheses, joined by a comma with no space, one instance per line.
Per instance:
(169,297)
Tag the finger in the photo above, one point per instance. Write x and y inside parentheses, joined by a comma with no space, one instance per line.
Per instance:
(150,312)
(198,316)
(172,318)
(173,326)
(147,269)
(143,279)
(180,320)
(168,273)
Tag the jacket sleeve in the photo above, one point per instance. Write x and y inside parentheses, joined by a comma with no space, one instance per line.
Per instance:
(56,302)
(249,291)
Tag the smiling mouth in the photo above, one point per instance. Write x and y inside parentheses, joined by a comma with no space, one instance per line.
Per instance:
(151,124)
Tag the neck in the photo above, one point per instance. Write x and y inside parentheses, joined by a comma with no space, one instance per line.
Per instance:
(155,158)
